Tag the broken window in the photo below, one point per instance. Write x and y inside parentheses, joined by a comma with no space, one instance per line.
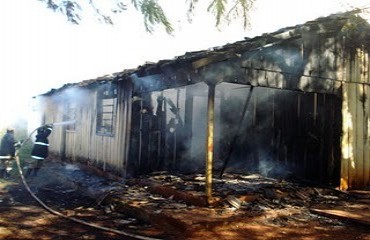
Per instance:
(106,109)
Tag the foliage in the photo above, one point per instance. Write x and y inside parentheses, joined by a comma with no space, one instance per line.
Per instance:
(238,9)
(152,11)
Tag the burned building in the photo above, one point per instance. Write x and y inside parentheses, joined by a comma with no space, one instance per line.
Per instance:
(289,103)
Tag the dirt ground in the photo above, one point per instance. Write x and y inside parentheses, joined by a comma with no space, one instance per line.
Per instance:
(22,217)
(249,207)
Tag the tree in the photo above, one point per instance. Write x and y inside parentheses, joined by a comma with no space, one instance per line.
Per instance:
(153,14)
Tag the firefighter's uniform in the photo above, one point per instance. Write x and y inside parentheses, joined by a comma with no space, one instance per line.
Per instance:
(7,153)
(39,151)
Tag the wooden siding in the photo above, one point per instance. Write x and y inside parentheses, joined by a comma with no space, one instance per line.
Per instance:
(282,133)
(83,143)
(308,64)
(71,146)
(317,63)
(53,112)
(355,164)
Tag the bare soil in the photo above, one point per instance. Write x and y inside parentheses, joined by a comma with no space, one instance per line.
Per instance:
(267,208)
(22,217)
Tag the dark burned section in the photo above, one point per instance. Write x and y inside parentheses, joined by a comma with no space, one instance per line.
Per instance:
(286,134)
(292,125)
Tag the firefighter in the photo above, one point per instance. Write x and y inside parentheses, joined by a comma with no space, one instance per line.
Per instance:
(7,152)
(40,150)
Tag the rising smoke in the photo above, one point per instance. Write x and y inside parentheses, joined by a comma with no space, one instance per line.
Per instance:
(253,149)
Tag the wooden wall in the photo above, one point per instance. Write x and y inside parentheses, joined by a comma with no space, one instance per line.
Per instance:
(355,164)
(83,143)
(330,64)
(284,133)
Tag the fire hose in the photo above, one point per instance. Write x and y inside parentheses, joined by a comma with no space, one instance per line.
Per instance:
(60,214)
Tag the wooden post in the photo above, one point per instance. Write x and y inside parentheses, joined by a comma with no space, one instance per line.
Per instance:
(140,134)
(210,140)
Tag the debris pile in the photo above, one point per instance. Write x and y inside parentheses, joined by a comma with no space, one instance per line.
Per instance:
(168,206)
(177,204)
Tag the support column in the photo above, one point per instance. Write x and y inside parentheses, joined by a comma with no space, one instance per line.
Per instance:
(210,140)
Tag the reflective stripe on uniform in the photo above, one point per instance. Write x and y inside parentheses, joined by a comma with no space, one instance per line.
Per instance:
(36,157)
(6,157)
(41,143)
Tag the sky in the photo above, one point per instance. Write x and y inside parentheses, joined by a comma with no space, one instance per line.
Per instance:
(40,50)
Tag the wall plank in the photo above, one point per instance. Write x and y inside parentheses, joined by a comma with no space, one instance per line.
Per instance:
(355,112)
(83,142)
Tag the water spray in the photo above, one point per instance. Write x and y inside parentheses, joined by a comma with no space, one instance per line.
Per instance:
(69,122)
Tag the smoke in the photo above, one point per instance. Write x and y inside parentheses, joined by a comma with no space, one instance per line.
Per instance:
(248,142)
(77,95)
(252,148)
(270,168)
(63,110)
(265,167)
(253,137)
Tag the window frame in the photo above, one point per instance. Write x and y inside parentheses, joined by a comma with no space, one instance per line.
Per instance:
(106,110)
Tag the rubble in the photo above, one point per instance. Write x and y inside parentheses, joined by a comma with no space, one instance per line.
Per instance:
(174,206)
(155,199)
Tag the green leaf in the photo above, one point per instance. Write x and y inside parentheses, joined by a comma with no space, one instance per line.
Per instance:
(154,14)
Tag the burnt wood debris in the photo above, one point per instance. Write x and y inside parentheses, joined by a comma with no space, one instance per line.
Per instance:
(165,206)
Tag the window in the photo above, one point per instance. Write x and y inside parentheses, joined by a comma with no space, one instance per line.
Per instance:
(106,109)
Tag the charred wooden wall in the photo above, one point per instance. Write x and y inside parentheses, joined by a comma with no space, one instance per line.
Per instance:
(294,119)
(283,133)
(323,62)
(158,131)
